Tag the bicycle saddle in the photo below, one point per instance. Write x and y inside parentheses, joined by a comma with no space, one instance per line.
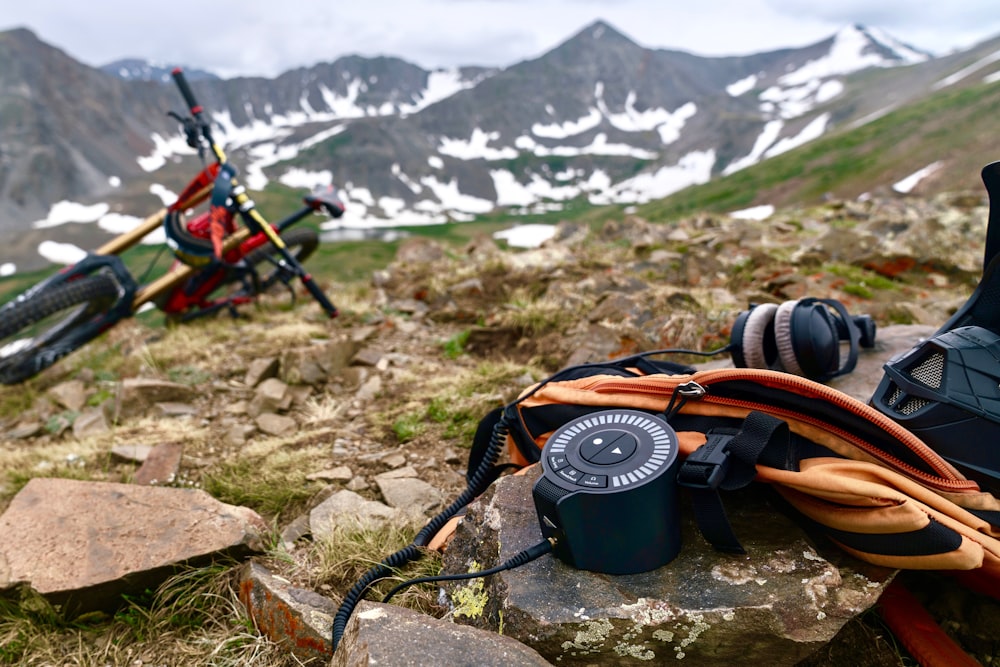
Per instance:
(325,197)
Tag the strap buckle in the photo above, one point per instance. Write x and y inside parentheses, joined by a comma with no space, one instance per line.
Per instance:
(707,466)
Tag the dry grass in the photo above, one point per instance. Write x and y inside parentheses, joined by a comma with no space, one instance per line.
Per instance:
(336,562)
(194,618)
(535,315)
(268,476)
(323,410)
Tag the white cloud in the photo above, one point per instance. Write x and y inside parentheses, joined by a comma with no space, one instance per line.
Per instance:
(267,38)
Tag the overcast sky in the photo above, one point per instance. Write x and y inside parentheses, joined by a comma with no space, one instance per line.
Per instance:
(267,37)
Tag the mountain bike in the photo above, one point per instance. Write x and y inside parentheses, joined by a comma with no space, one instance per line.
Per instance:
(219,265)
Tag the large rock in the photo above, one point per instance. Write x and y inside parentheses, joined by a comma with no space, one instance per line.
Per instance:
(138,395)
(346,510)
(379,634)
(71,394)
(407,493)
(271,395)
(83,544)
(90,422)
(295,617)
(775,605)
(316,363)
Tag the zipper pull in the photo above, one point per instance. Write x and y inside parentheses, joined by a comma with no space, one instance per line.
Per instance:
(689,391)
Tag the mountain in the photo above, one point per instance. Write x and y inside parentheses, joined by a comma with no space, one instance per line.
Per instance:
(67,130)
(132,69)
(598,120)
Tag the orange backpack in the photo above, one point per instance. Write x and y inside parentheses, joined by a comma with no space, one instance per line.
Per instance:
(872,486)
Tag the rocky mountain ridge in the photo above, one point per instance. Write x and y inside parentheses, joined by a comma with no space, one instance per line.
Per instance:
(598,119)
(138,69)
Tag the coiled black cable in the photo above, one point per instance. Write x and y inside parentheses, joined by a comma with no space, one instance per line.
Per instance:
(477,483)
(526,556)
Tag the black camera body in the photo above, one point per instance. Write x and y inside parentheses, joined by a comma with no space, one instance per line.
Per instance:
(608,492)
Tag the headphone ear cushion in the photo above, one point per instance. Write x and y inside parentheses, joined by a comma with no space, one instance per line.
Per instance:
(783,338)
(756,341)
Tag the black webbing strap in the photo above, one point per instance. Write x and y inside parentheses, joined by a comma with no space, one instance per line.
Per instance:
(727,461)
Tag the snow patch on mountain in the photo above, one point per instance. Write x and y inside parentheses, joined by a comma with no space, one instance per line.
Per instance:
(65,212)
(477,147)
(510,192)
(968,71)
(853,49)
(60,253)
(569,128)
(762,212)
(907,184)
(764,140)
(692,169)
(526,236)
(310,180)
(743,86)
(813,130)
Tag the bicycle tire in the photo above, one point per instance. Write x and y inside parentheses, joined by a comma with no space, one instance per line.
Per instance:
(301,242)
(38,331)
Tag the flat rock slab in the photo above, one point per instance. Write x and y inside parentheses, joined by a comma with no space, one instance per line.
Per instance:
(137,396)
(161,464)
(83,544)
(379,634)
(781,601)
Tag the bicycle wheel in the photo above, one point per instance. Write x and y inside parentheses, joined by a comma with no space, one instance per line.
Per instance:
(38,331)
(301,241)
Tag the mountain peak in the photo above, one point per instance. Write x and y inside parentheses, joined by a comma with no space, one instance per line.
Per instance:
(600,37)
(20,33)
(603,31)
(870,41)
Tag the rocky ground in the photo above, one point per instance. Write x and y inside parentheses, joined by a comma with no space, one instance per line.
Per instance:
(280,409)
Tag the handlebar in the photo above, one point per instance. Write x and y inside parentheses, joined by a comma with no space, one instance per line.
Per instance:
(200,125)
(186,92)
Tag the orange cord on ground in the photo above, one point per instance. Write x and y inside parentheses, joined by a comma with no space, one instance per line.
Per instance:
(917,630)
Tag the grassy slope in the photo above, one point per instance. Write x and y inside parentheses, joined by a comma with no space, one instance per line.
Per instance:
(958,127)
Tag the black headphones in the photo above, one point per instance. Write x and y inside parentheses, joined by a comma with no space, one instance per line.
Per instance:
(801,337)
